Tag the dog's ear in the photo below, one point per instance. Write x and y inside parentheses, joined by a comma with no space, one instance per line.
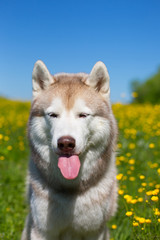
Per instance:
(41,78)
(99,79)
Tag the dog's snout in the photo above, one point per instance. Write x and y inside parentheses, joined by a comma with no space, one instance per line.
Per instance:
(66,144)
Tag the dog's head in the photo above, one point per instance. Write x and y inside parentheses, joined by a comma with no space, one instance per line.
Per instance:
(71,118)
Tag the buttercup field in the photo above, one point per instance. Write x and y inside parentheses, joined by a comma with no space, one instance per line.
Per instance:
(138,163)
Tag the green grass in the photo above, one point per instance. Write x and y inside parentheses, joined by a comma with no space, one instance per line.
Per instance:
(138,163)
(14,154)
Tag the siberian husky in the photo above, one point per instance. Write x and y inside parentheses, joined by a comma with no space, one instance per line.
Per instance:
(72,188)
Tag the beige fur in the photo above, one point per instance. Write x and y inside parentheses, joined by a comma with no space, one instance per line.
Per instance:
(77,209)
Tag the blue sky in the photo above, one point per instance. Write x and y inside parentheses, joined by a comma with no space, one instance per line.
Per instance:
(71,36)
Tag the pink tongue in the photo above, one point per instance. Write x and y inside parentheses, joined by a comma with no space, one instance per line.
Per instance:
(69,166)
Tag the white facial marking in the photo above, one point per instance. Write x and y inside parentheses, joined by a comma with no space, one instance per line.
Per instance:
(55,107)
(69,123)
(80,107)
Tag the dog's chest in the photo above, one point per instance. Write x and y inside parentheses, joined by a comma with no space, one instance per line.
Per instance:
(83,213)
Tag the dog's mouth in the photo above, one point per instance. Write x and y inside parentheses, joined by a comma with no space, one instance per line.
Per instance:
(69,166)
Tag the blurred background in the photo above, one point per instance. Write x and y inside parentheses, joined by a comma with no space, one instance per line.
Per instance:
(71,36)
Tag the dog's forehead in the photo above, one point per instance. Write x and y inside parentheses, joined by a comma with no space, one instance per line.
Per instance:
(55,105)
(68,88)
(58,105)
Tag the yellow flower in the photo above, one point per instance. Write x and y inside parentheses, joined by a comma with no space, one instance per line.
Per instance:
(159,220)
(128,198)
(1,158)
(132,179)
(151,145)
(118,162)
(140,199)
(142,177)
(132,168)
(144,184)
(132,146)
(156,212)
(135,224)
(114,226)
(131,161)
(154,199)
(149,193)
(119,176)
(119,145)
(137,218)
(134,201)
(9,148)
(120,192)
(128,154)
(121,158)
(124,177)
(1,136)
(141,220)
(129,213)
(6,138)
(158,170)
(140,190)
(148,221)
(153,165)
(158,185)
(155,191)
(151,184)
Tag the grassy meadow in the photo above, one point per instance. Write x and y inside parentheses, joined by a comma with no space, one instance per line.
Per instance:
(138,163)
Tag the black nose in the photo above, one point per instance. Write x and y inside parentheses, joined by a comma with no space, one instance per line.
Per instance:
(66,144)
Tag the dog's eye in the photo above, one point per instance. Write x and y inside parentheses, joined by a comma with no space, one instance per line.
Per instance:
(53,115)
(83,115)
